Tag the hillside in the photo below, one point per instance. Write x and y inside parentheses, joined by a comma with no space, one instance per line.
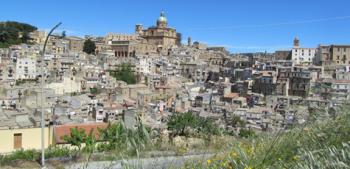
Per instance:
(12,33)
(324,143)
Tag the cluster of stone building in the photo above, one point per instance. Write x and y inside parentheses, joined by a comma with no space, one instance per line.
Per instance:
(270,91)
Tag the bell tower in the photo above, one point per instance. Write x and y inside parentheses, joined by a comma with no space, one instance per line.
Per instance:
(138,29)
(296,42)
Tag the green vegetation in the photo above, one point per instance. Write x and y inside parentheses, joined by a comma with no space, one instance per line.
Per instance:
(95,90)
(244,133)
(237,122)
(89,46)
(23,81)
(78,137)
(124,73)
(123,140)
(186,124)
(63,35)
(35,155)
(116,140)
(29,155)
(13,33)
(325,143)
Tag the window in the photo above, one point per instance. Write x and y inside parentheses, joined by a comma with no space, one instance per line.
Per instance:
(17,141)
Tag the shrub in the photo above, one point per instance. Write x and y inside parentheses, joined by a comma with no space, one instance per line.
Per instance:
(180,124)
(122,139)
(244,133)
(55,151)
(29,155)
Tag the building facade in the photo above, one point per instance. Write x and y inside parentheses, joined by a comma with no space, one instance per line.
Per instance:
(125,45)
(76,44)
(23,138)
(26,68)
(302,56)
(153,40)
(160,35)
(333,55)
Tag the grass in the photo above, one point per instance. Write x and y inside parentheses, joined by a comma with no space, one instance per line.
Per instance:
(322,144)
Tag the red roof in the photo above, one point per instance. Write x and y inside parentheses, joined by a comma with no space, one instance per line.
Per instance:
(63,130)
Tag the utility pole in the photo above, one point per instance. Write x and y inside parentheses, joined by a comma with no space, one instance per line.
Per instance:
(42,99)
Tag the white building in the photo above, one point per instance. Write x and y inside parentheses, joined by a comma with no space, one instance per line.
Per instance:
(303,56)
(25,68)
(68,85)
(144,65)
(343,73)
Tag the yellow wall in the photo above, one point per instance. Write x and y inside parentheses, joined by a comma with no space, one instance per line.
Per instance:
(31,139)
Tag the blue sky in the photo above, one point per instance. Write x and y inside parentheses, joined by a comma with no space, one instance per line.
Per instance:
(240,25)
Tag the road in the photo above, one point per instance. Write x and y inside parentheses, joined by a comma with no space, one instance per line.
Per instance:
(144,163)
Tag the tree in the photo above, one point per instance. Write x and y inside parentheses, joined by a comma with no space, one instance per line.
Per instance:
(94,90)
(25,37)
(76,137)
(89,47)
(237,122)
(124,74)
(207,126)
(63,35)
(118,137)
(90,142)
(10,31)
(180,123)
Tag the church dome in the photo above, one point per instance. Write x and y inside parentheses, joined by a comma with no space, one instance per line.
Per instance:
(162,18)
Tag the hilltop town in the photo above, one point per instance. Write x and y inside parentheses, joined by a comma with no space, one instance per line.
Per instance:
(151,75)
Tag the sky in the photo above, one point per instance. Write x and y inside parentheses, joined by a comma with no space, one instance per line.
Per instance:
(239,25)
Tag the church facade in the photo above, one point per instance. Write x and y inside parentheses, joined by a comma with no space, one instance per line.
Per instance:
(153,40)
(161,35)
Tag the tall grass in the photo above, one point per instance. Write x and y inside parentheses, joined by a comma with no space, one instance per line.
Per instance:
(321,144)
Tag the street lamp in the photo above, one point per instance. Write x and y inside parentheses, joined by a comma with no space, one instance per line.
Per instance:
(42,98)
